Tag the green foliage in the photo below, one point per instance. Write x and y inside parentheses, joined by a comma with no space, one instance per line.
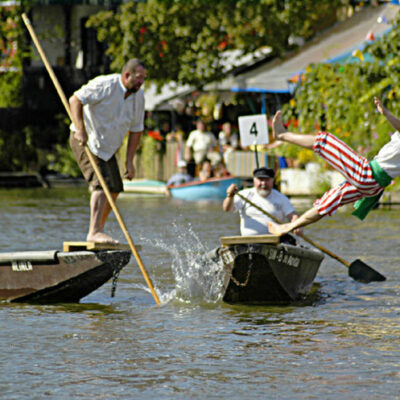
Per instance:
(339,97)
(12,52)
(186,41)
(17,150)
(63,161)
(149,153)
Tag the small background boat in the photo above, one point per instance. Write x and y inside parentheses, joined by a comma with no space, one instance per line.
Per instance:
(57,276)
(145,186)
(212,189)
(261,270)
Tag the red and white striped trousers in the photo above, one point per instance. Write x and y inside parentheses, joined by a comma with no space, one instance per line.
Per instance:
(355,168)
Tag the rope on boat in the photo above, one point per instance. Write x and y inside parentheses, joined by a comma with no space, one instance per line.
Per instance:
(114,281)
(245,283)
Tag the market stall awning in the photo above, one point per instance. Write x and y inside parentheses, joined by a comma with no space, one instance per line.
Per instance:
(336,44)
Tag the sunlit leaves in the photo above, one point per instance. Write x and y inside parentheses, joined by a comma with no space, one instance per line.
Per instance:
(339,98)
(185,41)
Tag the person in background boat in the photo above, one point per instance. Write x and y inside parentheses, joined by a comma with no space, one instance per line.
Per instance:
(206,170)
(252,220)
(103,111)
(181,176)
(220,170)
(365,181)
(200,144)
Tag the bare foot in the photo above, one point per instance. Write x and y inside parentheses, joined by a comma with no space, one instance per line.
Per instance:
(277,126)
(278,229)
(101,237)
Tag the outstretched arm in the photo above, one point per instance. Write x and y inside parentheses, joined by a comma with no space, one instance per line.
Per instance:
(394,121)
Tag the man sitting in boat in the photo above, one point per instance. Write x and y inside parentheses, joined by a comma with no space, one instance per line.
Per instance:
(181,176)
(252,220)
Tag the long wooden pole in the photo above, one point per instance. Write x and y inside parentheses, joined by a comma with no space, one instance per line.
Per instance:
(91,159)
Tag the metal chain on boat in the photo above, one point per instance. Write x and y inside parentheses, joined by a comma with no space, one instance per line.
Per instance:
(114,282)
(243,284)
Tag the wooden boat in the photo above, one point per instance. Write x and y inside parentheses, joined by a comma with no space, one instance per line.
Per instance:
(264,270)
(211,189)
(57,276)
(145,186)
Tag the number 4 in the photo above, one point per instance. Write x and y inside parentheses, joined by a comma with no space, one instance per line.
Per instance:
(253,129)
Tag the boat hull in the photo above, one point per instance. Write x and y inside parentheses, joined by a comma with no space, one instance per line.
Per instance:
(212,189)
(268,273)
(145,186)
(54,277)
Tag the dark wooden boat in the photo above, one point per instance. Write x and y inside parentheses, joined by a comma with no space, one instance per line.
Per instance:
(264,270)
(54,276)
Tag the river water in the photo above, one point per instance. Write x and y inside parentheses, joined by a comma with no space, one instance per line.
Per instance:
(342,344)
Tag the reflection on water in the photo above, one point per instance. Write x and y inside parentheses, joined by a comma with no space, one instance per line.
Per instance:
(341,342)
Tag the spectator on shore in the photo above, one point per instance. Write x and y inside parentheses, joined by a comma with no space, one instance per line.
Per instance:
(228,141)
(200,145)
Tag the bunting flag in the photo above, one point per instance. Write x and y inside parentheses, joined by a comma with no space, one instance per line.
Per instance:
(382,20)
(358,54)
(370,36)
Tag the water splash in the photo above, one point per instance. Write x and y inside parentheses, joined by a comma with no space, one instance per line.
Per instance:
(198,273)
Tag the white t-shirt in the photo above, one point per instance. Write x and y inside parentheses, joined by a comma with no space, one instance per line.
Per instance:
(108,116)
(389,156)
(201,143)
(253,221)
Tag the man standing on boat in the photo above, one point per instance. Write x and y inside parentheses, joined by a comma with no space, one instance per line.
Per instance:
(365,180)
(104,111)
(263,195)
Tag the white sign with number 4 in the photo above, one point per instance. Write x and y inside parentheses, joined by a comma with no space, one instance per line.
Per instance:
(253,130)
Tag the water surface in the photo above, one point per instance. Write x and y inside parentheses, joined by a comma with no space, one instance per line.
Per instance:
(341,344)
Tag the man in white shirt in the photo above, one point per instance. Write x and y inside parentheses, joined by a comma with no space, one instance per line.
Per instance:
(200,143)
(103,112)
(252,220)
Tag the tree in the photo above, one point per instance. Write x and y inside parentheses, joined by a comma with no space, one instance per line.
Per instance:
(186,41)
(339,97)
(12,52)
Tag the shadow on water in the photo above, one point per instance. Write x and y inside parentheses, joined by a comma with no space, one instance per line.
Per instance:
(62,308)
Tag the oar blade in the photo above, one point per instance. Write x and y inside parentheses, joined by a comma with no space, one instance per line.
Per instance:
(362,272)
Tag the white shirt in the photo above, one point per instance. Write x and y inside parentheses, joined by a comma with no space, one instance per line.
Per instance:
(107,115)
(389,156)
(253,221)
(201,143)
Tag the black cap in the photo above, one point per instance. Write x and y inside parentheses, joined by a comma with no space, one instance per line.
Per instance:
(263,172)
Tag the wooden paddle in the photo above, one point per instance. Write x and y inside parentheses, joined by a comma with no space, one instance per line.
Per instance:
(358,270)
(91,159)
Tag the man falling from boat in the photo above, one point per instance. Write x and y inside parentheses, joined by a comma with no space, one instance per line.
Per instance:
(104,111)
(263,195)
(365,181)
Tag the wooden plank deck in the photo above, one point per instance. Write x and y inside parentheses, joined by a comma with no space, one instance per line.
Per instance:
(229,240)
(77,246)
